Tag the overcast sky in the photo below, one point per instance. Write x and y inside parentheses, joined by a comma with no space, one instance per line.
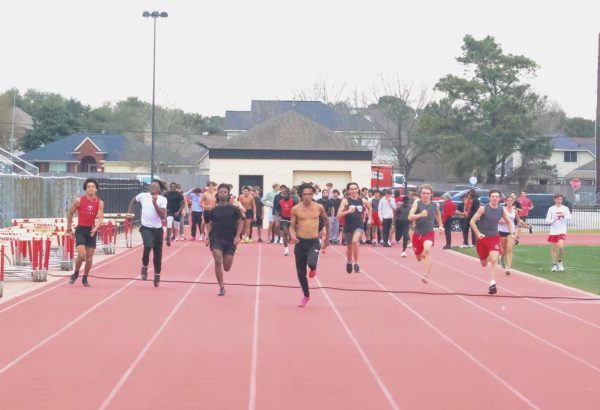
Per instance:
(214,56)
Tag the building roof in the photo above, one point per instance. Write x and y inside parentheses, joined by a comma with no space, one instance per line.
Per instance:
(291,135)
(563,142)
(326,115)
(586,171)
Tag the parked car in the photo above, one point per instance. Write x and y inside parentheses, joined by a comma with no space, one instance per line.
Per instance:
(541,203)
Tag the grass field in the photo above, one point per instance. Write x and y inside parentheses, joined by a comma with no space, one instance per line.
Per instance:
(582,264)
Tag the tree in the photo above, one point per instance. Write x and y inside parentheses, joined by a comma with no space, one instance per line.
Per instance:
(494,111)
(579,127)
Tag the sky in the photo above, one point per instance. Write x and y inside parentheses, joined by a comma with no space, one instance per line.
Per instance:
(214,56)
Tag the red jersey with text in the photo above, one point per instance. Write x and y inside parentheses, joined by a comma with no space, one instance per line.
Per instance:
(285,206)
(88,209)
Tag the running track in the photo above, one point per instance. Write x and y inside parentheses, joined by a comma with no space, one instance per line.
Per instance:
(123,344)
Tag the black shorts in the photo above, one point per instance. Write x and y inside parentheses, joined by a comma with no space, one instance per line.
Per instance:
(227,247)
(503,234)
(284,223)
(83,237)
(206,216)
(249,213)
(175,217)
(258,222)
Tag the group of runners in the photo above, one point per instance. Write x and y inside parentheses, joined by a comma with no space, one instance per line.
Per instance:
(309,219)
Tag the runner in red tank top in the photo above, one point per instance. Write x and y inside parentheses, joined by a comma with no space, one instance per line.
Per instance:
(90,212)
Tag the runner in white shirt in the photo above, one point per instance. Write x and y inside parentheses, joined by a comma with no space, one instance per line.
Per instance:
(557,217)
(154,210)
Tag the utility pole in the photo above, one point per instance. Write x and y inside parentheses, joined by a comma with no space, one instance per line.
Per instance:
(598,125)
(12,132)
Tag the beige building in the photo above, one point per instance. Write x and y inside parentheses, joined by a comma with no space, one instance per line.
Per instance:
(289,149)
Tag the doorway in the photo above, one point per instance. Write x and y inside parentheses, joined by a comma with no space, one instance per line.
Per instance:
(251,180)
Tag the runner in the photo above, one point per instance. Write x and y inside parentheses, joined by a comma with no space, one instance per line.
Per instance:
(223,232)
(208,201)
(90,212)
(387,207)
(154,211)
(402,223)
(352,209)
(284,210)
(306,218)
(258,222)
(557,217)
(196,196)
(175,205)
(506,239)
(269,201)
(328,206)
(424,212)
(374,228)
(526,207)
(249,204)
(488,240)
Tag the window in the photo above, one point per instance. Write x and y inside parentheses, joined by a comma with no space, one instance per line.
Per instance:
(570,156)
(58,167)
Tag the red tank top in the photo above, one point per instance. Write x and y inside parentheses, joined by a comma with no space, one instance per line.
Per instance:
(87,211)
(286,206)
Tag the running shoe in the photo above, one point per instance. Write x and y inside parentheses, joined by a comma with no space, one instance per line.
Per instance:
(349,267)
(492,289)
(507,272)
(222,291)
(403,254)
(554,268)
(561,268)
(193,238)
(260,240)
(144,272)
(156,279)
(84,281)
(73,277)
(303,301)
(312,273)
(530,229)
(356,268)
(168,241)
(286,251)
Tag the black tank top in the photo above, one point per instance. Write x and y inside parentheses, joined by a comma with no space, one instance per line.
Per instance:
(354,220)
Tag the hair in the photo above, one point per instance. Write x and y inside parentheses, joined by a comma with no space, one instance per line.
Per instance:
(377,191)
(446,195)
(211,183)
(396,192)
(349,184)
(161,184)
(472,192)
(405,200)
(306,185)
(246,187)
(197,190)
(275,185)
(226,186)
(495,191)
(425,186)
(557,195)
(282,186)
(329,184)
(522,190)
(336,190)
(93,181)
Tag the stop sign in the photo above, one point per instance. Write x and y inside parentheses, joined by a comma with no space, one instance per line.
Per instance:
(575,184)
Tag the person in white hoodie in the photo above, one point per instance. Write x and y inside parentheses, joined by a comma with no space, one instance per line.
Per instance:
(557,217)
(387,207)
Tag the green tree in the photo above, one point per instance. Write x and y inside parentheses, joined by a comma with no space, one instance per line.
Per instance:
(579,127)
(493,111)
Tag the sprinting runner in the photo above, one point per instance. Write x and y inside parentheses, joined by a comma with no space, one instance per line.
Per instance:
(304,231)
(249,204)
(506,239)
(208,201)
(175,205)
(424,213)
(374,228)
(90,212)
(223,232)
(196,196)
(488,240)
(351,209)
(557,217)
(154,211)
(284,209)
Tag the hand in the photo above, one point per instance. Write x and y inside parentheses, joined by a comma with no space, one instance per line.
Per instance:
(424,213)
(352,209)
(236,240)
(325,244)
(70,231)
(293,238)
(441,229)
(93,231)
(154,198)
(129,216)
(480,235)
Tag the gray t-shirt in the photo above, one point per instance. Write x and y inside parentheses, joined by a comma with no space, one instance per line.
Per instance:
(488,223)
(425,225)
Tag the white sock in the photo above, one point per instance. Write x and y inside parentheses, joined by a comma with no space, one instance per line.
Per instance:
(492,282)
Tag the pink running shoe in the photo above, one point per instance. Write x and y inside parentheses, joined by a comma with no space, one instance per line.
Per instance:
(193,238)
(312,273)
(304,301)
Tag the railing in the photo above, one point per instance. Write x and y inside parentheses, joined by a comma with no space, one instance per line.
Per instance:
(11,164)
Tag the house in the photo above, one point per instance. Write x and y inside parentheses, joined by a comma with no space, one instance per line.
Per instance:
(289,149)
(344,121)
(116,154)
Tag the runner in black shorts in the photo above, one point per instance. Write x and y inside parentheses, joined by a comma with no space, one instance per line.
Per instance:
(224,229)
(351,209)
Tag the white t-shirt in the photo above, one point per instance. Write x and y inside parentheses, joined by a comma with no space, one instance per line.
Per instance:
(561,215)
(150,217)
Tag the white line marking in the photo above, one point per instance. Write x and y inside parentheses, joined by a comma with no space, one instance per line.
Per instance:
(252,401)
(362,353)
(71,323)
(141,355)
(527,332)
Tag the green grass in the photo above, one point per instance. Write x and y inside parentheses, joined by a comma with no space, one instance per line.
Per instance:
(582,264)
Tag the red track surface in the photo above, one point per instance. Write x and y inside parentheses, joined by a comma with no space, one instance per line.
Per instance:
(126,345)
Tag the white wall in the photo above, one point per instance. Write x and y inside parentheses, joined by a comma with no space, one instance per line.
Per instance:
(563,168)
(282,170)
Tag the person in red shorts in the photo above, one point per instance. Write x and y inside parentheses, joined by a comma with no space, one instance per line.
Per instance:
(557,218)
(424,212)
(488,238)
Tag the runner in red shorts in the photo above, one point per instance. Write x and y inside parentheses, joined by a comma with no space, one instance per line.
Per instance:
(488,239)
(424,212)
(557,217)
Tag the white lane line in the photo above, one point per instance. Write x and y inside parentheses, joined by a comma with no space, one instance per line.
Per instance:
(361,352)
(480,307)
(61,283)
(252,401)
(143,352)
(72,323)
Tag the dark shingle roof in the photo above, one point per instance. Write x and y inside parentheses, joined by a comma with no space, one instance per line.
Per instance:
(238,120)
(291,131)
(563,142)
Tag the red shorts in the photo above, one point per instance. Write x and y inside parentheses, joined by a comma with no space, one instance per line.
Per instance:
(556,238)
(486,245)
(375,217)
(418,241)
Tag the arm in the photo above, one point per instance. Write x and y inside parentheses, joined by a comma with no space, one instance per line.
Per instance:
(239,226)
(438,216)
(550,216)
(182,206)
(162,212)
(474,221)
(254,209)
(130,208)
(411,215)
(367,205)
(342,209)
(99,218)
(325,221)
(292,230)
(70,213)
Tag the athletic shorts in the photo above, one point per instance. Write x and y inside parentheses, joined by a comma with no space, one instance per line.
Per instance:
(270,215)
(206,216)
(556,238)
(349,235)
(259,222)
(418,241)
(486,245)
(376,220)
(171,219)
(284,223)
(83,237)
(249,213)
(503,234)
(227,247)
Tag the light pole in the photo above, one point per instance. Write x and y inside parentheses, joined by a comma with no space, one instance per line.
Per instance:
(154,15)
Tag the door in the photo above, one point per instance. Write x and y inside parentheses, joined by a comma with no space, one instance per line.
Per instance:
(251,180)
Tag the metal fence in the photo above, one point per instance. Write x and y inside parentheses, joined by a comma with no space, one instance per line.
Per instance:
(51,197)
(187,181)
